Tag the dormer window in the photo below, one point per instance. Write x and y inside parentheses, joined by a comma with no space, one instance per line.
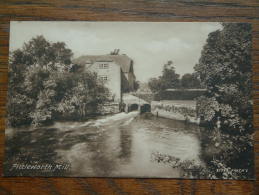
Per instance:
(103,66)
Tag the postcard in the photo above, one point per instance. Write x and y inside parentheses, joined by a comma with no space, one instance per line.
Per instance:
(130,99)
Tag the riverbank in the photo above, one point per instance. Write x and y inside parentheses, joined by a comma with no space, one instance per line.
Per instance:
(176,109)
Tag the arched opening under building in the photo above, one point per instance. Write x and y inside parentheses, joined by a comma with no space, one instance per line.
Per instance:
(133,107)
(145,108)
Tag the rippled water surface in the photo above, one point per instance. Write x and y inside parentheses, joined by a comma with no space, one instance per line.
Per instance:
(118,145)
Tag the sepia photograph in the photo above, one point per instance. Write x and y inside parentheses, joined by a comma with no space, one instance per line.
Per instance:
(130,99)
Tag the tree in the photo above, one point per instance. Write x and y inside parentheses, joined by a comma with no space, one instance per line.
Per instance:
(169,79)
(44,85)
(84,97)
(136,85)
(154,84)
(18,101)
(39,51)
(225,69)
(190,81)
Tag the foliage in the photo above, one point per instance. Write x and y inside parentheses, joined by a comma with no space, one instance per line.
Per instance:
(39,51)
(154,85)
(84,97)
(225,70)
(190,81)
(169,79)
(136,85)
(188,168)
(45,86)
(227,156)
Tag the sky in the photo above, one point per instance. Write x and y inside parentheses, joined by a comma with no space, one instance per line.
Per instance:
(149,44)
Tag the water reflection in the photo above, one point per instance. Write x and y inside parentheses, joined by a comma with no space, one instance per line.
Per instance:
(119,145)
(125,144)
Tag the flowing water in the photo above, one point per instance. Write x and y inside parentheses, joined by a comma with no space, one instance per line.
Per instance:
(118,145)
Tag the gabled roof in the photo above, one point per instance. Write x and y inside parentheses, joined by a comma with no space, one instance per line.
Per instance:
(122,60)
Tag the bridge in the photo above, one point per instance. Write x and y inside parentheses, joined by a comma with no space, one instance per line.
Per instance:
(135,103)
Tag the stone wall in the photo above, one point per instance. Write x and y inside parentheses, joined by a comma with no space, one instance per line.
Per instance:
(110,108)
(178,110)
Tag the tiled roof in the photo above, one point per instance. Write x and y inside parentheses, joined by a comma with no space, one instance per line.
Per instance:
(122,60)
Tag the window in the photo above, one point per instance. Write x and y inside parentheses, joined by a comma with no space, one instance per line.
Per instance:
(104,78)
(103,66)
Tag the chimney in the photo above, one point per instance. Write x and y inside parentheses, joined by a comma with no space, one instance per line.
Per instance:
(115,52)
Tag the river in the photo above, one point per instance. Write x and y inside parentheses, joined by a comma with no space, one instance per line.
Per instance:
(120,145)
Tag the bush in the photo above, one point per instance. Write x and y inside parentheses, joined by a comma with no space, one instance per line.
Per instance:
(44,86)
